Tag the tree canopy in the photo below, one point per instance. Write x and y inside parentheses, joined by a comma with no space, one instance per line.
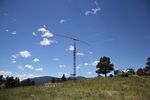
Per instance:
(104,66)
(148,63)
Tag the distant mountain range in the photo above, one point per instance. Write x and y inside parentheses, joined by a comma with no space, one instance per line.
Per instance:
(46,79)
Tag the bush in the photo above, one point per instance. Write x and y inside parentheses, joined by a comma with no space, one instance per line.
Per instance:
(110,75)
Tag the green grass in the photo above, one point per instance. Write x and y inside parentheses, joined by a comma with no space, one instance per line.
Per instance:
(127,88)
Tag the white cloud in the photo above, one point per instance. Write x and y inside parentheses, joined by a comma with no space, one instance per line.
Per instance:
(6,73)
(45,32)
(36,60)
(90,52)
(62,66)
(80,54)
(62,21)
(34,34)
(13,33)
(39,69)
(71,48)
(94,63)
(56,59)
(95,10)
(86,64)
(15,56)
(20,76)
(44,26)
(14,61)
(92,11)
(96,3)
(78,67)
(25,54)
(89,73)
(88,12)
(7,30)
(46,42)
(20,67)
(26,76)
(42,30)
(30,67)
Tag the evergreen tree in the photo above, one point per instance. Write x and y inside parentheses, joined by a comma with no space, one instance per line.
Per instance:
(63,78)
(1,79)
(53,80)
(104,66)
(148,63)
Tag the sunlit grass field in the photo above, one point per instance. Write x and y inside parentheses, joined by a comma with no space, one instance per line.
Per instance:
(117,88)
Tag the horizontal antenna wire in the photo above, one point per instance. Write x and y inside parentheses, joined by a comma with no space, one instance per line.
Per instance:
(75,39)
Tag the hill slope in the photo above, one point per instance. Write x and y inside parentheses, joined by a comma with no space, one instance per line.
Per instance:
(47,79)
(127,88)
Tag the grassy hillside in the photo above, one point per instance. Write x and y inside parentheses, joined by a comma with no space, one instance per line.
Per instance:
(127,88)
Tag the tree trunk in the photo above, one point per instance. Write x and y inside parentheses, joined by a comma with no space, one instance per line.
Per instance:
(105,74)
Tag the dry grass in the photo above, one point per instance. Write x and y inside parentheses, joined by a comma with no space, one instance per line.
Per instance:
(128,88)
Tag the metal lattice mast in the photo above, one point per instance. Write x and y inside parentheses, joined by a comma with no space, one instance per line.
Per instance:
(74,51)
(74,60)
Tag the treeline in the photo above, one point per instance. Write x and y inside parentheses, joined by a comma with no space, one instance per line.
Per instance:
(11,82)
(63,79)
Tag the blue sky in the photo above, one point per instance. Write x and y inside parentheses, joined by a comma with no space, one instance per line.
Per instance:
(29,47)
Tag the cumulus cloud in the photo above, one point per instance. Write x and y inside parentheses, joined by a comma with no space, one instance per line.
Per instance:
(6,30)
(45,32)
(94,63)
(30,67)
(36,60)
(42,30)
(80,54)
(25,54)
(56,59)
(95,10)
(34,34)
(96,3)
(39,69)
(86,64)
(92,11)
(14,61)
(88,12)
(13,58)
(20,67)
(62,66)
(90,52)
(77,67)
(13,33)
(89,73)
(62,21)
(46,42)
(71,48)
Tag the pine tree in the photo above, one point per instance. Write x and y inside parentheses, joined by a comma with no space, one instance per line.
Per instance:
(104,66)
